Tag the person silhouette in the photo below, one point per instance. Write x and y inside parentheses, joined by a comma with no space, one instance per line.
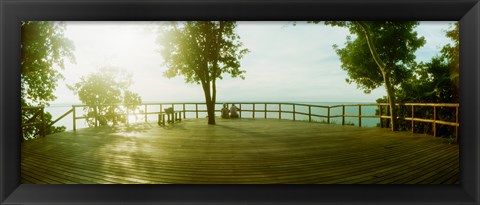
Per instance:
(233,111)
(225,111)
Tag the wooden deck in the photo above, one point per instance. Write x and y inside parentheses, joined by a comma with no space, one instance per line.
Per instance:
(254,151)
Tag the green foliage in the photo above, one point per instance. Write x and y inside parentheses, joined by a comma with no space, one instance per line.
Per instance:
(395,43)
(435,81)
(131,100)
(202,51)
(34,131)
(381,53)
(450,139)
(105,93)
(43,49)
(432,82)
(452,54)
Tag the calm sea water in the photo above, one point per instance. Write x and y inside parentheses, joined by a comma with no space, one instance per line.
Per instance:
(58,110)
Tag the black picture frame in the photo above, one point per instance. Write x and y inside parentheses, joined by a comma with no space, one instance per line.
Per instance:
(12,12)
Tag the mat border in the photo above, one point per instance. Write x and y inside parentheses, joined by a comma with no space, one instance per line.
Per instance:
(14,11)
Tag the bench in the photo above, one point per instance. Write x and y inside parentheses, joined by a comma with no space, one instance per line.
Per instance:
(172,116)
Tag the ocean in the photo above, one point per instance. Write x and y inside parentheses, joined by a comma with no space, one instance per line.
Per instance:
(58,110)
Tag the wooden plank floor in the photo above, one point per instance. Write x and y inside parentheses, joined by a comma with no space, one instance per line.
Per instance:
(254,151)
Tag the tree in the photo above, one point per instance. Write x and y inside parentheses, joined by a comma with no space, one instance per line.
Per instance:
(452,54)
(435,81)
(44,49)
(381,54)
(202,51)
(104,93)
(432,82)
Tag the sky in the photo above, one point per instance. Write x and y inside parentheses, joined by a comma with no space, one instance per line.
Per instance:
(286,63)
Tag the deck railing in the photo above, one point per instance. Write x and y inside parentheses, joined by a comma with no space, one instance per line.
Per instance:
(294,110)
(35,118)
(435,107)
(254,110)
(277,110)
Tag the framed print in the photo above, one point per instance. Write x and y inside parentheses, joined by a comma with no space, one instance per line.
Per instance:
(227,102)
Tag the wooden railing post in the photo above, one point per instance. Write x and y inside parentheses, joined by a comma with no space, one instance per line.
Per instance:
(196,110)
(74,118)
(456,127)
(359,115)
(184,111)
(96,115)
(413,116)
(309,113)
(380,113)
(279,111)
(44,131)
(265,110)
(343,114)
(146,111)
(240,111)
(328,115)
(434,121)
(294,112)
(253,104)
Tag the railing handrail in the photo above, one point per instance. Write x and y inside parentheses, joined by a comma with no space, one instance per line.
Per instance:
(426,104)
(42,123)
(61,117)
(268,103)
(31,122)
(282,104)
(293,111)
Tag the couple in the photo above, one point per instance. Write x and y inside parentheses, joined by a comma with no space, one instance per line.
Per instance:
(229,113)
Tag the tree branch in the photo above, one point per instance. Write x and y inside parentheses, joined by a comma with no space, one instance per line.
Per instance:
(372,48)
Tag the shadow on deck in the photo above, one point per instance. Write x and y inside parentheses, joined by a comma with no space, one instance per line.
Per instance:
(254,151)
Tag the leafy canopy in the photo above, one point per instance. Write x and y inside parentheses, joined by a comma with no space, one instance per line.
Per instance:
(202,51)
(432,82)
(104,93)
(451,52)
(395,43)
(44,49)
(437,80)
(194,48)
(381,53)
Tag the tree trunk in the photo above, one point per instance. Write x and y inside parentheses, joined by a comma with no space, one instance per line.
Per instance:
(215,64)
(211,112)
(386,76)
(391,101)
(211,106)
(210,103)
(212,97)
